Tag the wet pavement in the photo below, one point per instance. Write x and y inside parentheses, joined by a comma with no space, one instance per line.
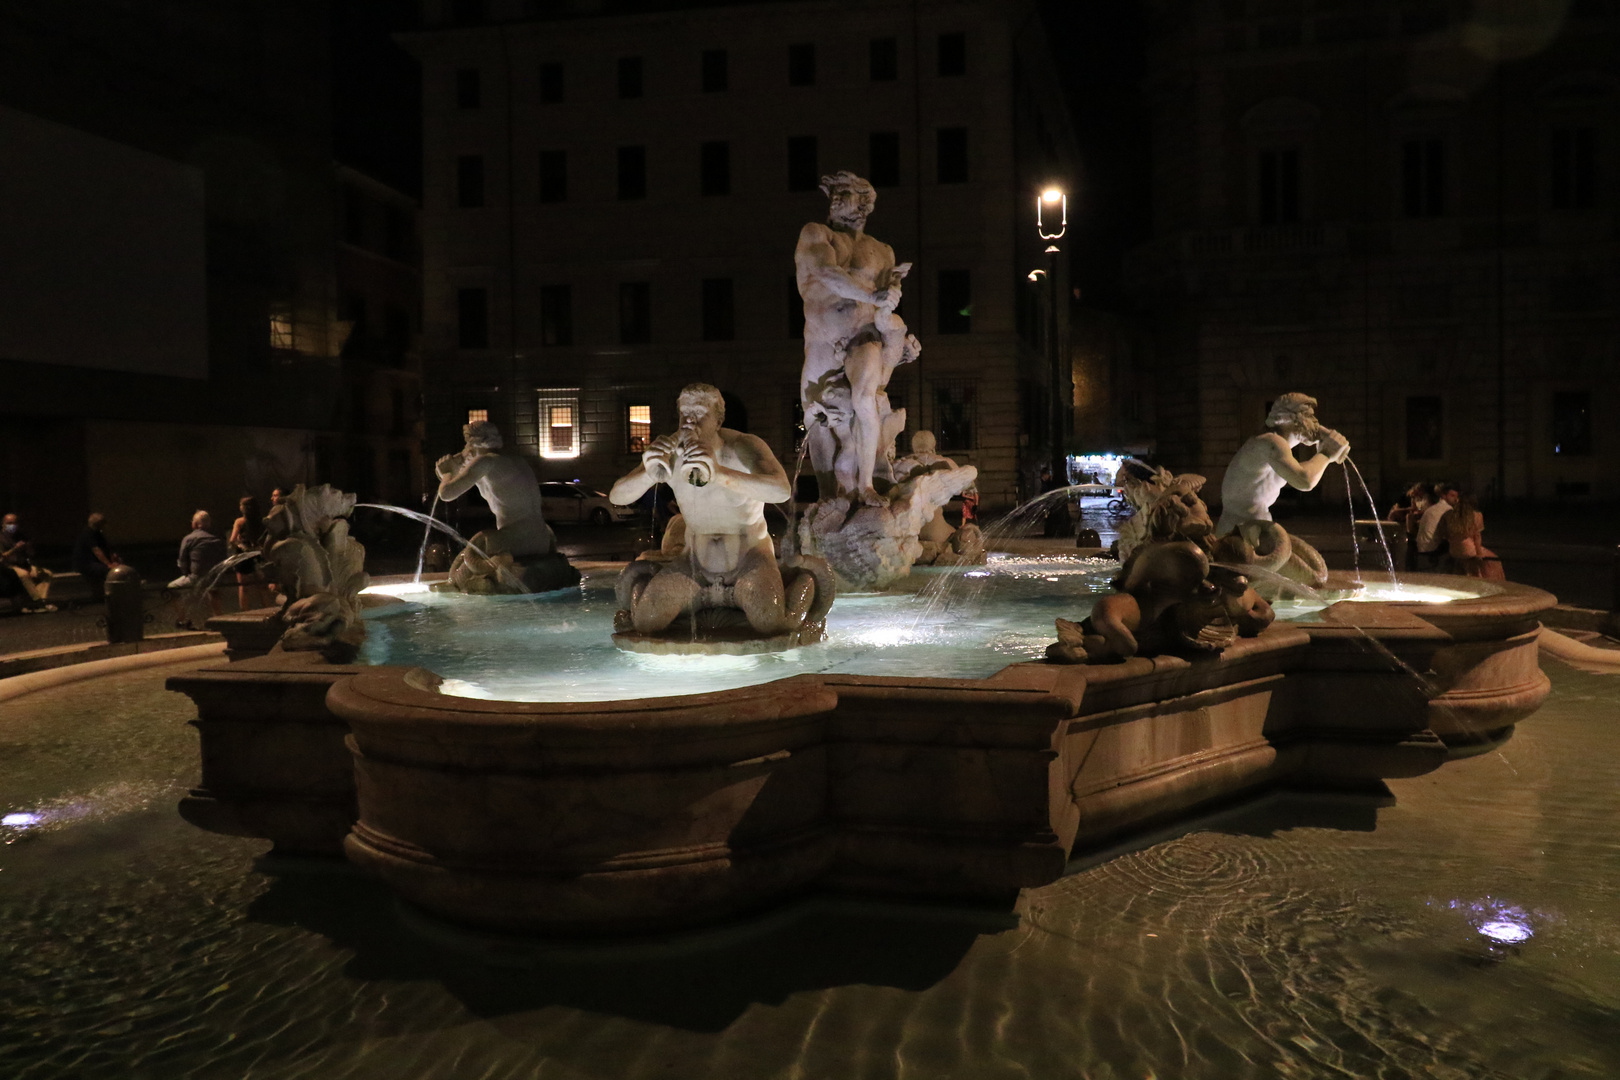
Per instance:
(1468,929)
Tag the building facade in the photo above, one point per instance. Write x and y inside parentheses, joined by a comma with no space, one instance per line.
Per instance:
(379,288)
(171,335)
(1405,210)
(611,205)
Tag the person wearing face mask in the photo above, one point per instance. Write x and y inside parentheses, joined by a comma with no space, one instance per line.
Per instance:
(19,576)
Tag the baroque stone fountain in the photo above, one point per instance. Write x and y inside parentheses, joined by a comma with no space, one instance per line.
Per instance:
(893,767)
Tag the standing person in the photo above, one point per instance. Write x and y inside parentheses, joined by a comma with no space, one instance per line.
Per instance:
(93,557)
(200,551)
(1408,512)
(18,574)
(1432,545)
(247,534)
(277,497)
(1465,527)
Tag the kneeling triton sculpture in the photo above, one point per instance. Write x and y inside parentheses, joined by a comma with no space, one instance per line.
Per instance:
(520,554)
(725,591)
(1256,476)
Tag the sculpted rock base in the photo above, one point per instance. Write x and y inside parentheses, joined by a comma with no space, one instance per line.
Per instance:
(507,574)
(875,546)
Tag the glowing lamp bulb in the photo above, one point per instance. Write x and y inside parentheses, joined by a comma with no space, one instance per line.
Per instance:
(1051,195)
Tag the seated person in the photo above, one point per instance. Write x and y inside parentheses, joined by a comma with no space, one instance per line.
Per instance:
(200,552)
(19,576)
(93,557)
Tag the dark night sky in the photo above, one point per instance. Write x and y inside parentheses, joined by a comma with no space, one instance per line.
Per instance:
(1097,46)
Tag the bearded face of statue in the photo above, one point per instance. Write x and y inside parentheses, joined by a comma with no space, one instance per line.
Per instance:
(1302,424)
(848,207)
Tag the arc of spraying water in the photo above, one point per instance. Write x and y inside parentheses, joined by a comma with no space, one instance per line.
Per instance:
(434,523)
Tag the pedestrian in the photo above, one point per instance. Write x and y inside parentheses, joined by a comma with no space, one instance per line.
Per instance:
(1432,533)
(1408,514)
(1465,527)
(200,551)
(19,576)
(248,534)
(93,557)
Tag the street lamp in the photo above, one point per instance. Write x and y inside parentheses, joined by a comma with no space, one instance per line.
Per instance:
(1053,202)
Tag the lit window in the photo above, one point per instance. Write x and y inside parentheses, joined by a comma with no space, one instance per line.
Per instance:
(558,411)
(639,424)
(477,416)
(281,327)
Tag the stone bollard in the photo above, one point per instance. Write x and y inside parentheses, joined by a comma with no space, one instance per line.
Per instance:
(126,613)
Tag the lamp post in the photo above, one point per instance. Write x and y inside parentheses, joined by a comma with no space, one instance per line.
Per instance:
(1054,201)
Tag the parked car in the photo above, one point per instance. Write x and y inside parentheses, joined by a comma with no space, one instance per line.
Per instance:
(571,501)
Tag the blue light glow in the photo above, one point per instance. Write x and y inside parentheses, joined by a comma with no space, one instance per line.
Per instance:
(20,821)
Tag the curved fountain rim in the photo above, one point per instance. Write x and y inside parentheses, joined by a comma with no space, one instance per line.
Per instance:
(407,687)
(1505,598)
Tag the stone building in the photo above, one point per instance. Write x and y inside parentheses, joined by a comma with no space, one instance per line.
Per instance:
(1407,210)
(170,332)
(379,292)
(611,204)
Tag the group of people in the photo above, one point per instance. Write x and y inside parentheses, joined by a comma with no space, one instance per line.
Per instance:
(1445,531)
(201,550)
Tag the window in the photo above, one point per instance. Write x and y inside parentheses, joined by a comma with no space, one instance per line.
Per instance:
(802,64)
(883,158)
(952,55)
(396,232)
(1574,168)
(553,176)
(353,312)
(396,334)
(558,414)
(469,181)
(551,84)
(1423,178)
(469,89)
(716,77)
(635,313)
(281,326)
(719,310)
(637,427)
(472,318)
(1572,423)
(884,59)
(629,76)
(1576,290)
(955,301)
(795,308)
(1425,429)
(956,413)
(632,172)
(1279,186)
(715,168)
(953,155)
(477,416)
(803,174)
(354,216)
(556,315)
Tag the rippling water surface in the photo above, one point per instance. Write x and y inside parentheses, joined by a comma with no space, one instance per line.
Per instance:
(1297,937)
(558,646)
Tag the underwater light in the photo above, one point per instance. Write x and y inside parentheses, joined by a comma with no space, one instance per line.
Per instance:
(1506,931)
(403,588)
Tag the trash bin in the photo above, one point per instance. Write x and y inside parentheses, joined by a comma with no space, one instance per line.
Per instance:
(126,613)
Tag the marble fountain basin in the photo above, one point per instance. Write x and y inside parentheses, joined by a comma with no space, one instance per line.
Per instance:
(604,816)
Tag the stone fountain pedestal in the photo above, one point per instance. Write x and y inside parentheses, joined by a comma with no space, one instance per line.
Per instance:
(649,814)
